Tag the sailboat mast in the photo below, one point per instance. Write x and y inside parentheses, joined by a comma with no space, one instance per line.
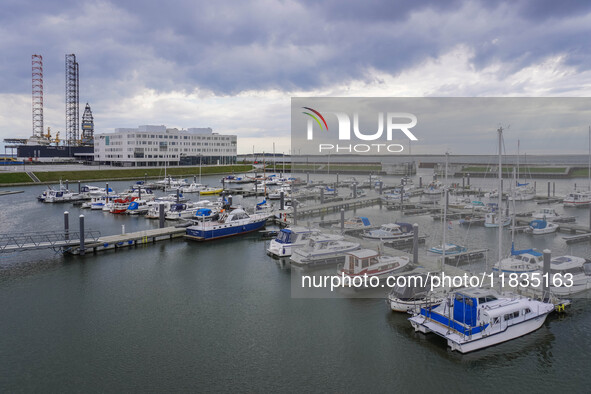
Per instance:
(589,168)
(444,226)
(517,162)
(499,208)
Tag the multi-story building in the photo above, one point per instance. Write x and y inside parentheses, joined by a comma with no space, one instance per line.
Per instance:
(157,145)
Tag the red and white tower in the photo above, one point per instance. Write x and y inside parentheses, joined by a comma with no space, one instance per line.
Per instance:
(37,63)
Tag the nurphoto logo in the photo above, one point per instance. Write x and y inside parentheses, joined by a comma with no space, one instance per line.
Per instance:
(395,121)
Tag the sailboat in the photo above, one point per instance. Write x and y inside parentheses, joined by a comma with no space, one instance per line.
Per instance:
(476,318)
(523,191)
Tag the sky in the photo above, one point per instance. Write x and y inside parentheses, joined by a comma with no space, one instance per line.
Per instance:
(235,65)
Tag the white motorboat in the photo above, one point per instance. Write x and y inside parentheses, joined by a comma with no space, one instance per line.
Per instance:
(154,209)
(541,226)
(395,196)
(568,275)
(62,195)
(276,194)
(545,213)
(97,203)
(192,188)
(138,207)
(472,319)
(577,199)
(178,211)
(321,250)
(362,262)
(390,232)
(520,261)
(289,239)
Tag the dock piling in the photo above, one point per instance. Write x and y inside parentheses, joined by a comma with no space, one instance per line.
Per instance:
(420,181)
(381,187)
(337,184)
(415,244)
(78,187)
(545,273)
(354,190)
(67,185)
(161,215)
(123,229)
(322,196)
(548,189)
(107,192)
(282,200)
(82,250)
(342,220)
(307,178)
(178,195)
(295,211)
(66,225)
(468,179)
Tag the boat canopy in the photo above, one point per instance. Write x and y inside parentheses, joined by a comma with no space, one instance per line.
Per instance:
(524,251)
(406,227)
(365,221)
(203,212)
(538,224)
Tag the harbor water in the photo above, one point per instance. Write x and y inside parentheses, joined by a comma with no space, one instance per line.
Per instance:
(219,316)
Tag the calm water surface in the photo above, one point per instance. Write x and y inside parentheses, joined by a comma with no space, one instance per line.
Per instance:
(180,316)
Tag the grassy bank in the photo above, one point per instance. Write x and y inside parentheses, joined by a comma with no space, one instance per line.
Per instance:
(509,170)
(334,167)
(128,173)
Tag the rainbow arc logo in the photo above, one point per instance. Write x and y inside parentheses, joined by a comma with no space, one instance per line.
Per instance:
(315,118)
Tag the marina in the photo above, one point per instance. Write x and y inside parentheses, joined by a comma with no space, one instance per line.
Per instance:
(137,244)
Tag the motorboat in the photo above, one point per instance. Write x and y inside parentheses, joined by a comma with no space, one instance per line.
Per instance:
(541,226)
(414,292)
(568,275)
(138,207)
(211,190)
(491,219)
(276,194)
(154,209)
(395,196)
(475,318)
(119,205)
(62,195)
(178,211)
(520,261)
(355,223)
(390,232)
(229,224)
(288,239)
(545,213)
(206,213)
(450,249)
(577,199)
(359,193)
(362,262)
(328,191)
(192,188)
(322,250)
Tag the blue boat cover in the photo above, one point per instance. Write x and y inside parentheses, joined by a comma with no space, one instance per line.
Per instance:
(365,221)
(523,251)
(538,224)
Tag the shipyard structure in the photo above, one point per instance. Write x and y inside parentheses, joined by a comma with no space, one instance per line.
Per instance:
(42,145)
(147,146)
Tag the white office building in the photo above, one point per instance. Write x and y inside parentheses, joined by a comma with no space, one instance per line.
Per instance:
(156,145)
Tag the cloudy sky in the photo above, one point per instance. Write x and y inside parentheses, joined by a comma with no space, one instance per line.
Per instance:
(234,65)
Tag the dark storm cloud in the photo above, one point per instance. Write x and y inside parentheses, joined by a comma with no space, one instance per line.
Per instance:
(230,47)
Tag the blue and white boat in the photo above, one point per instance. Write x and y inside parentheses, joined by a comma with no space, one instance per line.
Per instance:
(450,249)
(231,223)
(289,239)
(542,226)
(520,261)
(472,319)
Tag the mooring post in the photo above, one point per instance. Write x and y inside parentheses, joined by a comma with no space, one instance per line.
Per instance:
(123,229)
(78,187)
(281,200)
(548,189)
(355,190)
(545,273)
(342,220)
(66,225)
(553,189)
(230,200)
(178,195)
(415,244)
(295,211)
(468,180)
(463,182)
(307,177)
(420,181)
(161,215)
(381,187)
(145,178)
(107,192)
(82,250)
(337,185)
(139,192)
(322,196)
(67,185)
(194,178)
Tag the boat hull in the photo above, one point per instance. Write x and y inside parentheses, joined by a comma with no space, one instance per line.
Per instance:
(207,234)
